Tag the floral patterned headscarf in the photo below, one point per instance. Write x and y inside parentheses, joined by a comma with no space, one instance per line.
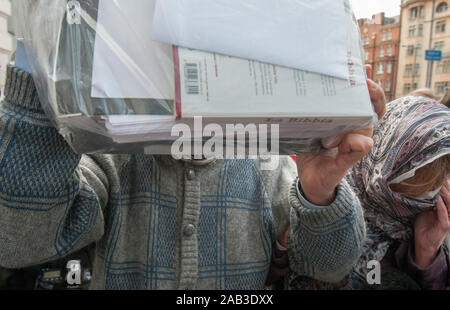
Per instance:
(414,132)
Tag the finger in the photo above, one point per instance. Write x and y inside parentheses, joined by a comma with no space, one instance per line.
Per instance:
(447,185)
(353,148)
(368,71)
(442,214)
(283,239)
(332,142)
(445,194)
(378,98)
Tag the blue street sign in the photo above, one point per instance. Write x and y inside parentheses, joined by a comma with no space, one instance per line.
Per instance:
(433,55)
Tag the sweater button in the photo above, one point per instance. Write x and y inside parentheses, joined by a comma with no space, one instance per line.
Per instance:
(190,174)
(189,230)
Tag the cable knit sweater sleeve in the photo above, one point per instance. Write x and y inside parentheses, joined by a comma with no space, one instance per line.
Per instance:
(50,202)
(324,242)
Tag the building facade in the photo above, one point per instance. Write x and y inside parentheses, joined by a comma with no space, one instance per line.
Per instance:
(424,26)
(381,41)
(6,40)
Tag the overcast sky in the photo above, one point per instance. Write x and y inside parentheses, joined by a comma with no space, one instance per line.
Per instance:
(366,8)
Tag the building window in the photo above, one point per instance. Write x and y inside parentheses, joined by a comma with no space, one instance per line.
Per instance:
(366,41)
(406,89)
(416,12)
(389,51)
(418,49)
(367,55)
(441,87)
(439,46)
(440,26)
(410,51)
(443,66)
(442,7)
(412,30)
(417,70)
(420,30)
(387,86)
(415,86)
(380,69)
(389,35)
(382,52)
(389,68)
(383,37)
(408,70)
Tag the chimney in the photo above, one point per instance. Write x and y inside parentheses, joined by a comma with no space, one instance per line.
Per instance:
(378,19)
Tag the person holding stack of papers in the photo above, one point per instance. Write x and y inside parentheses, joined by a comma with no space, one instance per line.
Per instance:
(160,223)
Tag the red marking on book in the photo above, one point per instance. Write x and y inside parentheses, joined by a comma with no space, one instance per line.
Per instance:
(215,65)
(176,63)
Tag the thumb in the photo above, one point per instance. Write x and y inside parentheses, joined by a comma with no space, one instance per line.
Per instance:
(442,214)
(368,71)
(353,148)
(332,142)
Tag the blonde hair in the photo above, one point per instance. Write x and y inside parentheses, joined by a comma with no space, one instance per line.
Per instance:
(425,92)
(428,93)
(426,179)
(446,99)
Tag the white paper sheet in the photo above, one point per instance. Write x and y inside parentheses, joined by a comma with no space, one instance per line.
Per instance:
(139,128)
(214,85)
(127,63)
(303,34)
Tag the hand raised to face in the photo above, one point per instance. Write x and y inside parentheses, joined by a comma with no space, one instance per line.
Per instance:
(431,228)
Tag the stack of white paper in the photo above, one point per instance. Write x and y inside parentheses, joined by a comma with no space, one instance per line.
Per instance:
(314,87)
(301,34)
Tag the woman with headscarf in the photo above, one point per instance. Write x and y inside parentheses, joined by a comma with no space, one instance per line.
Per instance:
(403,187)
(399,183)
